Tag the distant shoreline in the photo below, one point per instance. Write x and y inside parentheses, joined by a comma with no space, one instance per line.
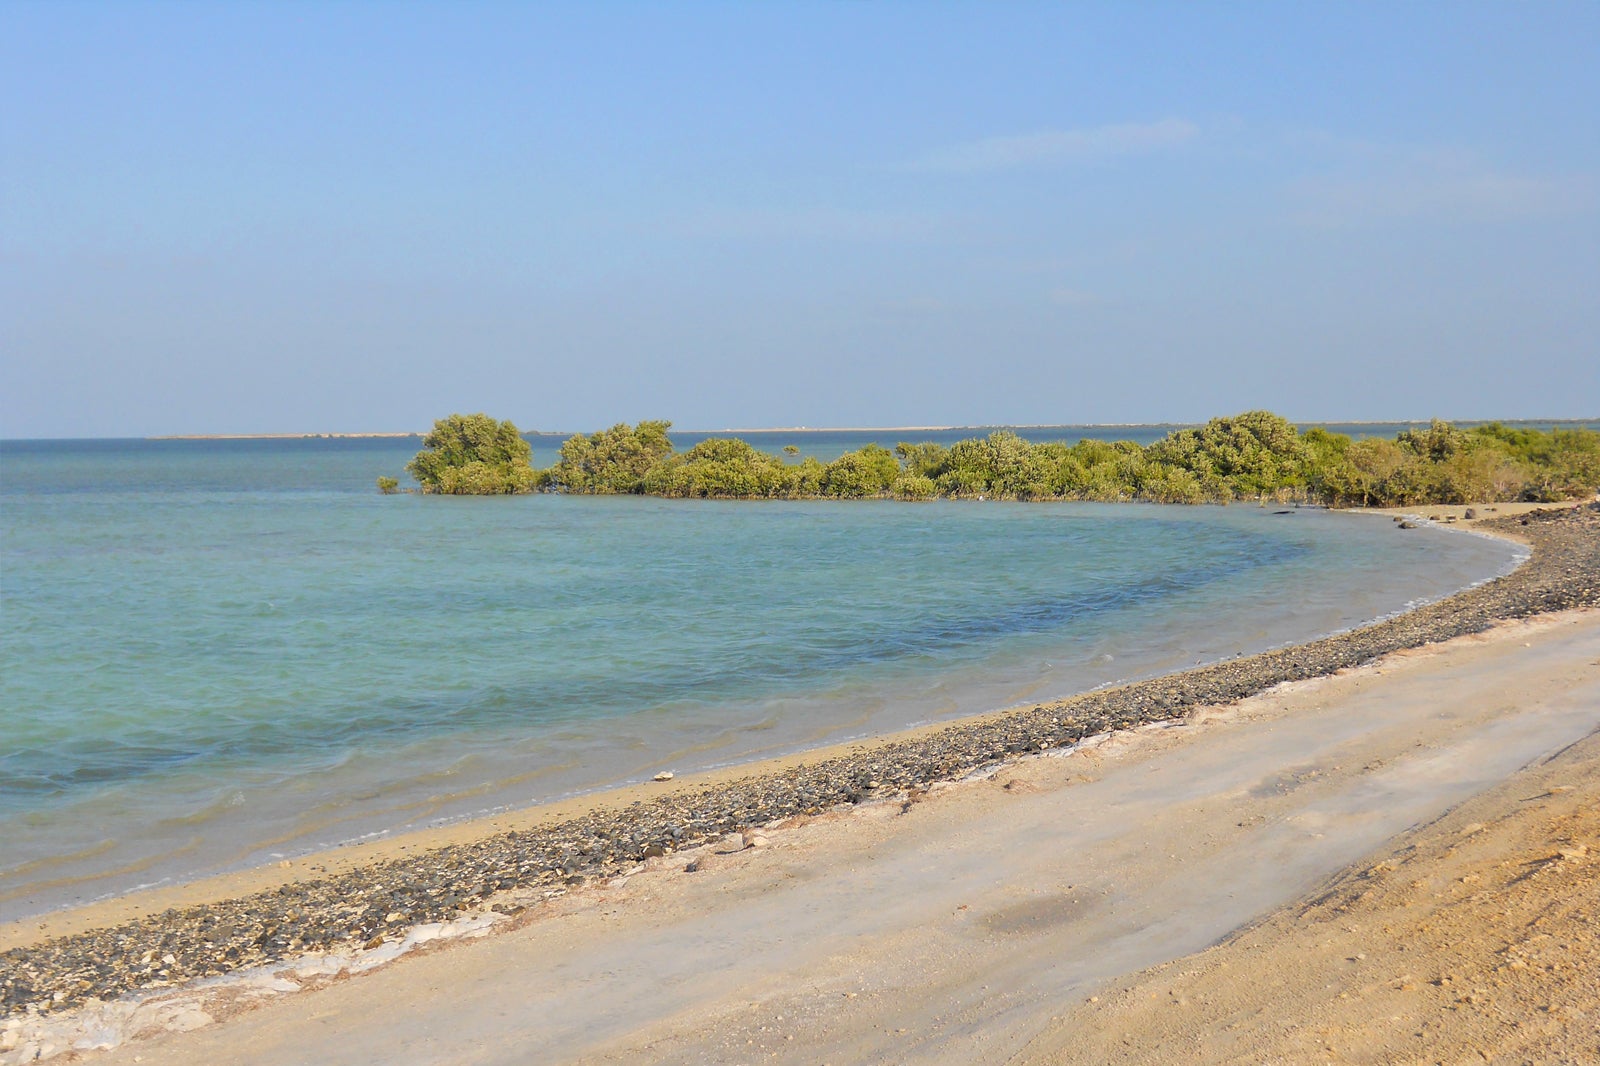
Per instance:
(842,429)
(1561,422)
(283,436)
(697,432)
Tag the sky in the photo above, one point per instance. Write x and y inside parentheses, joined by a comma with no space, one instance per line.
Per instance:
(359,217)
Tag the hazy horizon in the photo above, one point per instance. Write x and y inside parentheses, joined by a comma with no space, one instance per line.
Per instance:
(695,431)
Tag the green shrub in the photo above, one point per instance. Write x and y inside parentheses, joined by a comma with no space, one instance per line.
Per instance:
(959,483)
(1437,443)
(806,479)
(1255,454)
(913,487)
(923,460)
(1108,470)
(723,468)
(615,460)
(868,472)
(1172,485)
(1360,476)
(473,455)
(1002,465)
(1557,465)
(1568,466)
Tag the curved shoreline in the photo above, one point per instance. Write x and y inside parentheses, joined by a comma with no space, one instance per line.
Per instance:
(1040,628)
(363,905)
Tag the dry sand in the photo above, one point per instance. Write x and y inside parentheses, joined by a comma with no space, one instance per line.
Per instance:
(1476,939)
(974,924)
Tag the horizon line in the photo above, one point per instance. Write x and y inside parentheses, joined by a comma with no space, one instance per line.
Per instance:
(379,435)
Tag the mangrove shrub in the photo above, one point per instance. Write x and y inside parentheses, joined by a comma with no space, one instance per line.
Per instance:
(473,455)
(615,460)
(1256,455)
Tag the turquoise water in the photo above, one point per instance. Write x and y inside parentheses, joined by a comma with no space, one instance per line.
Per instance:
(218,653)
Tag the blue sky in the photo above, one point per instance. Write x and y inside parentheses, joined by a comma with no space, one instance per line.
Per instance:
(295,217)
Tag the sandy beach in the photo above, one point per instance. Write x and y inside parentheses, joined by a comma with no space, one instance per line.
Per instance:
(1334,835)
(870,534)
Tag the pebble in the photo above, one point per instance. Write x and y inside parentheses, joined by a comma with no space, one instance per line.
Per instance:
(351,908)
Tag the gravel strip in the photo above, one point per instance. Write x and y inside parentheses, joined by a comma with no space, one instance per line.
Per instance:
(363,908)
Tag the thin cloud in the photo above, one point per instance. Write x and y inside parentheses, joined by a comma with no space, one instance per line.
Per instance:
(1058,147)
(1367,181)
(1466,197)
(828,224)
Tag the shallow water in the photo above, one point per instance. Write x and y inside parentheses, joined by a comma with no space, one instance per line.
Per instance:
(217,653)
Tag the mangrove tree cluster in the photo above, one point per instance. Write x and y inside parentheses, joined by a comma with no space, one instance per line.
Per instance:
(1256,455)
(472,455)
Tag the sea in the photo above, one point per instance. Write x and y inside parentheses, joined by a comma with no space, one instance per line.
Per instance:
(216,654)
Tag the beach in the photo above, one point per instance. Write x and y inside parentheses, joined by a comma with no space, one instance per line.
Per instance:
(945,895)
(594,534)
(1473,937)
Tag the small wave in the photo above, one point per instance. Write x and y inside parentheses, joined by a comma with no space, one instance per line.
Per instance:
(49,885)
(35,865)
